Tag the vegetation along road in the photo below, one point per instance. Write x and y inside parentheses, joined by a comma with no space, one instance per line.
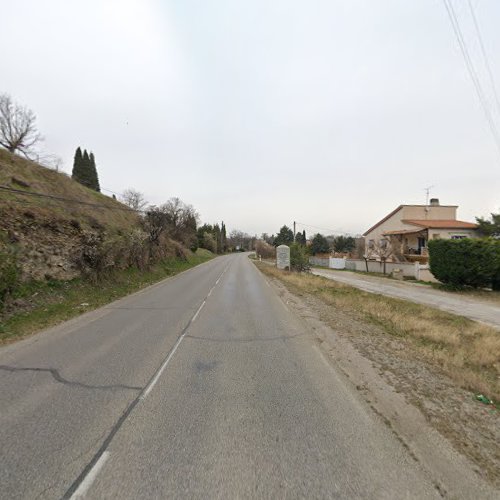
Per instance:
(479,310)
(204,385)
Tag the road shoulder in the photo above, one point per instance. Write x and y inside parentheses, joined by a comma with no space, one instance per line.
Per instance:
(449,433)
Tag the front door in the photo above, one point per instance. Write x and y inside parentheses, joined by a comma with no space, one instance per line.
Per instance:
(421,244)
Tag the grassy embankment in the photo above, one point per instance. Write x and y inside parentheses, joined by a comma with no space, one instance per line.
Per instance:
(47,303)
(466,351)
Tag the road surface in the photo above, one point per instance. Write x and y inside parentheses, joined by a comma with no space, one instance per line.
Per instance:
(203,386)
(475,309)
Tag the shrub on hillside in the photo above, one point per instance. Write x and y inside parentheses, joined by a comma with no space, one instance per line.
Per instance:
(9,271)
(466,262)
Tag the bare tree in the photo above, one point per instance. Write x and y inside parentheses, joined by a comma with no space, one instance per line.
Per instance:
(380,250)
(174,218)
(134,199)
(18,131)
(49,160)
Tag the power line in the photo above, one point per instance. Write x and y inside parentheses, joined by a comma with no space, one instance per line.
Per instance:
(323,228)
(66,200)
(485,55)
(470,68)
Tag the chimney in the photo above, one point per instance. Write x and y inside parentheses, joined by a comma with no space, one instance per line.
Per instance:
(434,202)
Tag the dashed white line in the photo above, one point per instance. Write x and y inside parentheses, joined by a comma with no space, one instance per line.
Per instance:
(90,478)
(193,319)
(158,374)
(153,381)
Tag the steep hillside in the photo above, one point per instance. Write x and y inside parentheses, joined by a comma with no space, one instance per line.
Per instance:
(46,233)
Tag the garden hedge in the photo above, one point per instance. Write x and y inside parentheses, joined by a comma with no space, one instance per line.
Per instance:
(466,262)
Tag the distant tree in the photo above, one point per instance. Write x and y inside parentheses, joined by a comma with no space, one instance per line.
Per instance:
(94,178)
(298,258)
(300,238)
(284,237)
(344,244)
(489,227)
(319,244)
(224,237)
(239,240)
(134,199)
(18,130)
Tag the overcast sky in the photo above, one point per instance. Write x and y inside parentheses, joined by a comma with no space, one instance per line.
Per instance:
(259,113)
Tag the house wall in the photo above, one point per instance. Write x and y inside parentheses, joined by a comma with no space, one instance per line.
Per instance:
(414,212)
(410,212)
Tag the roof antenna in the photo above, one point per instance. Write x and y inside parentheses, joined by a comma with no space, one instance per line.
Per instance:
(427,191)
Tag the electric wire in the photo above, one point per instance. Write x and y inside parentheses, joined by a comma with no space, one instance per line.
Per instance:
(66,200)
(323,228)
(485,56)
(471,70)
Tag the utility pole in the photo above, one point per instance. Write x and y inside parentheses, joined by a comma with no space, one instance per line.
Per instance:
(294,223)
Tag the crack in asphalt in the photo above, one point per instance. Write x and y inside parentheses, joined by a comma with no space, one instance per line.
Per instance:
(58,378)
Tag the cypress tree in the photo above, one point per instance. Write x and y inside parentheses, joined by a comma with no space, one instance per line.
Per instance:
(76,174)
(93,174)
(85,177)
(224,237)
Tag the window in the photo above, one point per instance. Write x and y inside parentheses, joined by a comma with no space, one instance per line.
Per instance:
(371,243)
(436,236)
(458,236)
(383,243)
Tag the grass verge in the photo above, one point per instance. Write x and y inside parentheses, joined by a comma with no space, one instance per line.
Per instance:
(45,304)
(466,351)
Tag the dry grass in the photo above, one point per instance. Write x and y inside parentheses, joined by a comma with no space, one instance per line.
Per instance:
(43,180)
(467,351)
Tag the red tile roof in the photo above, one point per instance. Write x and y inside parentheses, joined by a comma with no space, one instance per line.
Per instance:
(441,224)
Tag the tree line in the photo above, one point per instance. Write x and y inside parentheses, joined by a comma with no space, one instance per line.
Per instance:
(319,242)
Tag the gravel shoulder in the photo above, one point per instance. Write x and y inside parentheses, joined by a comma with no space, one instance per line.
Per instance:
(442,425)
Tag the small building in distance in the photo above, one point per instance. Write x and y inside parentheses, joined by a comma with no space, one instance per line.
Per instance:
(402,235)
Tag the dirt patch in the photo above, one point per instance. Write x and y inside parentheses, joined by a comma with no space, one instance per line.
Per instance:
(367,353)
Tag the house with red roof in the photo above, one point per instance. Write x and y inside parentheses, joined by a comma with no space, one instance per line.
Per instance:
(402,235)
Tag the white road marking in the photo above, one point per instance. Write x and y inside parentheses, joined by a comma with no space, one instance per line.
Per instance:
(82,489)
(158,374)
(193,319)
(151,384)
(90,478)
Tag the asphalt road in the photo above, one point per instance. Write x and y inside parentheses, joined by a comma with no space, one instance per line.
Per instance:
(470,307)
(203,386)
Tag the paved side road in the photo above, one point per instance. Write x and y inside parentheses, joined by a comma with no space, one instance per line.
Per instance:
(464,306)
(204,386)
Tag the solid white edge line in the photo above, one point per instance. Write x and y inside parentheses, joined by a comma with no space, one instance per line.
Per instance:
(90,478)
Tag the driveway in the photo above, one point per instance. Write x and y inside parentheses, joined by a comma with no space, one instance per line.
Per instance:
(469,307)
